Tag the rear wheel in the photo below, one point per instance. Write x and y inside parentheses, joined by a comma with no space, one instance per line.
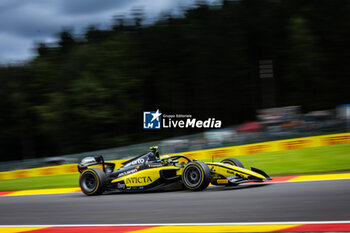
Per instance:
(234,162)
(196,176)
(93,181)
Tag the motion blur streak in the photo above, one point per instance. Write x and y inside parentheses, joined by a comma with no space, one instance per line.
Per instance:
(41,191)
(268,146)
(66,229)
(274,180)
(19,229)
(250,227)
(224,228)
(322,177)
(318,227)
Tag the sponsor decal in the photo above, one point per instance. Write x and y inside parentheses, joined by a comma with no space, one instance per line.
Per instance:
(221,153)
(157,120)
(297,144)
(137,161)
(121,186)
(138,180)
(155,165)
(191,155)
(222,181)
(337,140)
(256,149)
(47,171)
(20,174)
(231,172)
(70,168)
(127,172)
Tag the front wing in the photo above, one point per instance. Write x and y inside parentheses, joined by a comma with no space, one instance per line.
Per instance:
(224,174)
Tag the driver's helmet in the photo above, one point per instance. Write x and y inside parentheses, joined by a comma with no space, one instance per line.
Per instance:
(165,159)
(155,151)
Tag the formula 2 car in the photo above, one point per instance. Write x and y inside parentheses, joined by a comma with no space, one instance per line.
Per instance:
(152,172)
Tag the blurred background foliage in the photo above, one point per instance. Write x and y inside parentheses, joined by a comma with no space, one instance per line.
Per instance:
(88,92)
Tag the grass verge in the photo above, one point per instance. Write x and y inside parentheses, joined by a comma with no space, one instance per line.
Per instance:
(326,159)
(41,182)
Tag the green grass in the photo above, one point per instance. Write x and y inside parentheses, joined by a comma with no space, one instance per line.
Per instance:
(326,159)
(41,182)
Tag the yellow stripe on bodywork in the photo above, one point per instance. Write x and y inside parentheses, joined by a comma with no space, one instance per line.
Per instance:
(321,177)
(43,191)
(215,228)
(19,229)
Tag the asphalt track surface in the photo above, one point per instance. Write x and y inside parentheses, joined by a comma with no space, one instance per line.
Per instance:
(295,201)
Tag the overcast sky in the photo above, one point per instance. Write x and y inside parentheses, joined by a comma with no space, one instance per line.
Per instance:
(24,22)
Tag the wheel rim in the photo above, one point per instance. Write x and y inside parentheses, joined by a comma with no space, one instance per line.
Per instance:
(89,182)
(193,176)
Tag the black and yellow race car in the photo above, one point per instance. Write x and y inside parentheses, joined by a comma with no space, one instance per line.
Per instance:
(152,172)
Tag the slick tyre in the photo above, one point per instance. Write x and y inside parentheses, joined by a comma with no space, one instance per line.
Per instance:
(234,162)
(196,176)
(93,181)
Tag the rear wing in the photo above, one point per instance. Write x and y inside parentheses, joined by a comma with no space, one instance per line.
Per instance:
(95,161)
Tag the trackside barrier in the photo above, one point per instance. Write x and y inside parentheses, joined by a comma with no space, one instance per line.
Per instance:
(280,145)
(271,146)
(45,171)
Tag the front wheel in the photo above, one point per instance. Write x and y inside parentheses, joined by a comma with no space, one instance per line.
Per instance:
(93,181)
(196,176)
(234,162)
